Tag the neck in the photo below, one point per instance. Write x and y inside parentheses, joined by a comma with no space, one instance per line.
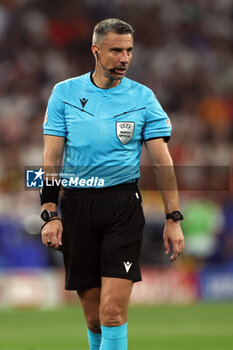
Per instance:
(104,82)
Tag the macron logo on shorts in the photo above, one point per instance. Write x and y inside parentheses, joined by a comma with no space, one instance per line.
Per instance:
(127,266)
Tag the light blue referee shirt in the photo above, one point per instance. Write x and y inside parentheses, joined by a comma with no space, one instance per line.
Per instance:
(104,129)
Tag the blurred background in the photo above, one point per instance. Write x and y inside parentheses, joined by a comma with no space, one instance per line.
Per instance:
(184,52)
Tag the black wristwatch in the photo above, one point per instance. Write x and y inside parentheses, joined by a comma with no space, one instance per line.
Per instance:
(47,215)
(175,216)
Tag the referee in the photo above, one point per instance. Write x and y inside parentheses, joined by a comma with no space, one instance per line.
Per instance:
(99,120)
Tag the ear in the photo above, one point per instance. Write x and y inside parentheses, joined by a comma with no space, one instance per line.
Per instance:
(95,50)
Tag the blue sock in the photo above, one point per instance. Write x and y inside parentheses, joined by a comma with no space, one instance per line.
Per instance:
(114,338)
(94,340)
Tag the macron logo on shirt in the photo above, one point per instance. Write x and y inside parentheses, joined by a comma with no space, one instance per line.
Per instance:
(83,101)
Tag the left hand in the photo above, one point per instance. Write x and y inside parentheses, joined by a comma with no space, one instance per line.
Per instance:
(51,234)
(173,235)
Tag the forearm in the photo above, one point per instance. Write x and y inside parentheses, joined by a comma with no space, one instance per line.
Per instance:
(52,157)
(49,206)
(164,173)
(51,163)
(166,182)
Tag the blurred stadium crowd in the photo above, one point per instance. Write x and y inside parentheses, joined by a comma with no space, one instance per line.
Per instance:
(183,51)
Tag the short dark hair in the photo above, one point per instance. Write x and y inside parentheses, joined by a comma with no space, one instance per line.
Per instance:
(107,25)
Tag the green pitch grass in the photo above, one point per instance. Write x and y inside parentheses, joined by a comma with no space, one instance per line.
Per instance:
(195,327)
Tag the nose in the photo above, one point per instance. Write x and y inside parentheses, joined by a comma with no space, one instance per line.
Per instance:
(125,56)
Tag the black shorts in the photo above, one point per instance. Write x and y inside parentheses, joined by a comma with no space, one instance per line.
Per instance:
(102,234)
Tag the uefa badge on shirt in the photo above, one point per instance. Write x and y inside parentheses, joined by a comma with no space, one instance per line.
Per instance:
(124,131)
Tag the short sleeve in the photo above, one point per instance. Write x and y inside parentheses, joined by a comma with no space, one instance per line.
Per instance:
(157,123)
(54,121)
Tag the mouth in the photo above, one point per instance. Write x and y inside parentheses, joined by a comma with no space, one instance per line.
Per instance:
(120,70)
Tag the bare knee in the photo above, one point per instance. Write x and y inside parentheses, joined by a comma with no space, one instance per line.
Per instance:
(90,300)
(112,314)
(92,320)
(93,324)
(114,301)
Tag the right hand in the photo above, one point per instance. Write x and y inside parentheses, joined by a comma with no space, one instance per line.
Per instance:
(173,235)
(51,234)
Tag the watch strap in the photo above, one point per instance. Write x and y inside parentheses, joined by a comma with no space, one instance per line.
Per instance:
(46,215)
(175,216)
(52,214)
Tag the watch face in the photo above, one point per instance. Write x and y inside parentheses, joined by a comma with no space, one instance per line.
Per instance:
(176,215)
(45,215)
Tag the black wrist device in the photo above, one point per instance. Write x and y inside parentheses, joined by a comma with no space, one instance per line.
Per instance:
(49,192)
(47,215)
(175,216)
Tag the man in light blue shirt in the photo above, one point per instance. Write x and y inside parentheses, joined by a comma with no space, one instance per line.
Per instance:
(104,128)
(100,121)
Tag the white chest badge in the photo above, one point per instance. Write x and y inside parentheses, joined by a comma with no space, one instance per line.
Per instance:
(125,131)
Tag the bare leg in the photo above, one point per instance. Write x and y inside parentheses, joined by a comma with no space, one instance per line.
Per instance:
(107,306)
(90,301)
(115,293)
